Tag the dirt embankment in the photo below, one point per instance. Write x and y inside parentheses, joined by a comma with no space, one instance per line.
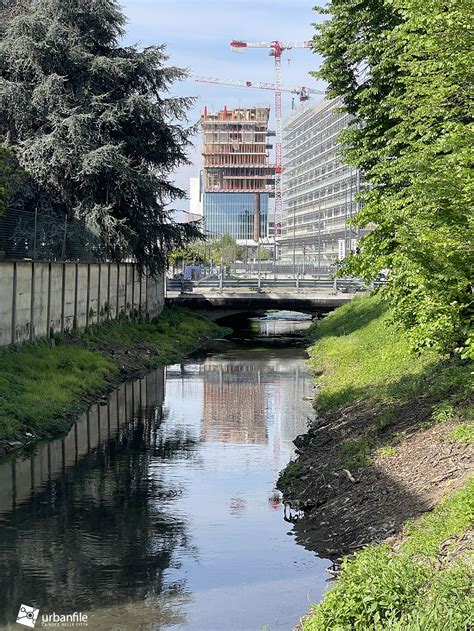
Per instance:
(338,508)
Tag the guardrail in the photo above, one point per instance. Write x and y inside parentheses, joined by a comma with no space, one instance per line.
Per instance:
(340,284)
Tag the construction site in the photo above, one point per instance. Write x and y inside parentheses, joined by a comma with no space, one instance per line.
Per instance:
(238,178)
(308,225)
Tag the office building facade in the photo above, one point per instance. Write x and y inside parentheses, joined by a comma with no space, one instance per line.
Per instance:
(319,189)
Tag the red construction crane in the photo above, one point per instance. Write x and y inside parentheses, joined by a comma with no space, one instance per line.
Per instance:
(276,50)
(302,92)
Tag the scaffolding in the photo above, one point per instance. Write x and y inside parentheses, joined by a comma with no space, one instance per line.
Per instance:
(238,178)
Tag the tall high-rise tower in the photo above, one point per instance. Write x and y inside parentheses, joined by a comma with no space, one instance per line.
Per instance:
(237,176)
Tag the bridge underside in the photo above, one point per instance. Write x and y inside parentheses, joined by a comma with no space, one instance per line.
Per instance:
(222,305)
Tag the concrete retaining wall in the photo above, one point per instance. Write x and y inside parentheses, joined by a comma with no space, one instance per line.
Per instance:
(39,299)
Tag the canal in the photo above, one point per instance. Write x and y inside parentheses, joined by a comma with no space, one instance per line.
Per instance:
(158,511)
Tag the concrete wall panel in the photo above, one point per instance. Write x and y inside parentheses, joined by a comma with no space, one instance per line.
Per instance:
(39,298)
(6,302)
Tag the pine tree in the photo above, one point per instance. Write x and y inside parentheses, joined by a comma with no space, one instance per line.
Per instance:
(5,170)
(94,124)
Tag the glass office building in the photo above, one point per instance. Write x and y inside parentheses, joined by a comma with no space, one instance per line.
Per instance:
(233,213)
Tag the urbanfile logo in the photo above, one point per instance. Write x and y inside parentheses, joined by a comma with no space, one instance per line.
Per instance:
(27,616)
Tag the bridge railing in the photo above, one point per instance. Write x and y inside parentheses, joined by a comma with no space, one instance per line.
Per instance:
(253,284)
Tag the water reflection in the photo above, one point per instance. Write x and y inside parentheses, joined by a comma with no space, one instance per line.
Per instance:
(153,513)
(286,323)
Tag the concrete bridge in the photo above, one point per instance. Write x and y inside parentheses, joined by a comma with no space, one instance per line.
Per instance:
(217,299)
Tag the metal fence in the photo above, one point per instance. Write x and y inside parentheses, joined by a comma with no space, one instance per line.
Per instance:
(42,236)
(344,285)
(288,269)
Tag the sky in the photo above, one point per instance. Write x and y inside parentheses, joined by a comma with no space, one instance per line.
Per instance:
(197,34)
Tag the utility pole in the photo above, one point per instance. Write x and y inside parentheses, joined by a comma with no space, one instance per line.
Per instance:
(294,241)
(319,240)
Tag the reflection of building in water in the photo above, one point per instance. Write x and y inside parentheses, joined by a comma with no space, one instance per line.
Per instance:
(242,400)
(234,405)
(295,407)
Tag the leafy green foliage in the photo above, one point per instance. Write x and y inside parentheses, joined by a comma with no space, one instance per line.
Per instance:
(463,433)
(194,253)
(415,587)
(94,125)
(387,451)
(403,69)
(223,250)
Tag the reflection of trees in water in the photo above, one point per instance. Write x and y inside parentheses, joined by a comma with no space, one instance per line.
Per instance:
(102,534)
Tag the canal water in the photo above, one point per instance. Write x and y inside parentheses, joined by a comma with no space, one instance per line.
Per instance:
(158,510)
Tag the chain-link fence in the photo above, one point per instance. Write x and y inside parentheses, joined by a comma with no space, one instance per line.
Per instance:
(42,236)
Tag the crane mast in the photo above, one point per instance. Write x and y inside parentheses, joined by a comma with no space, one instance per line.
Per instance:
(276,50)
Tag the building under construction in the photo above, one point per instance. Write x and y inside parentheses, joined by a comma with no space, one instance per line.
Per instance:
(238,179)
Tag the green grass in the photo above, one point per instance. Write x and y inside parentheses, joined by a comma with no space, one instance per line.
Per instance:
(364,358)
(363,354)
(387,451)
(367,363)
(463,433)
(356,452)
(292,470)
(424,584)
(175,333)
(41,386)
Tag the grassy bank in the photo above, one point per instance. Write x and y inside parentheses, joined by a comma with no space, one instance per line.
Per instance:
(424,583)
(42,386)
(366,361)
(392,439)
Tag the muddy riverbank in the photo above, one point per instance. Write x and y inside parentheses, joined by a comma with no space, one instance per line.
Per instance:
(391,440)
(391,434)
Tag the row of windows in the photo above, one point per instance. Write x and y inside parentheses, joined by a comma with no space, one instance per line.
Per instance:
(344,209)
(341,188)
(318,179)
(320,131)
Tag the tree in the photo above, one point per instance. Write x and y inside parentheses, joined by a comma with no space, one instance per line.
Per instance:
(226,250)
(5,170)
(94,124)
(194,253)
(402,70)
(262,254)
